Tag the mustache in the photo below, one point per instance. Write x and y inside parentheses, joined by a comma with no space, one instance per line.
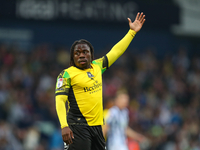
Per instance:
(82,60)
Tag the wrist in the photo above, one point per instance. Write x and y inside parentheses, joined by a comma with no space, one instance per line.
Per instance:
(132,32)
(63,126)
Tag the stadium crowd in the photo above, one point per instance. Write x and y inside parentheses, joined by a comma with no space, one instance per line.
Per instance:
(164,92)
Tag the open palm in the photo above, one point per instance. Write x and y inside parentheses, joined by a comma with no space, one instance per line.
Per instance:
(138,23)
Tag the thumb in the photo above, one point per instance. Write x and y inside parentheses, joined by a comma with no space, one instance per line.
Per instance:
(72,135)
(129,20)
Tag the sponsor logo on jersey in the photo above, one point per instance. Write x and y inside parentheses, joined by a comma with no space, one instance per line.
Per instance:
(94,87)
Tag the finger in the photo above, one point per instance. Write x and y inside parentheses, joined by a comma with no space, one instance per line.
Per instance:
(65,139)
(137,17)
(129,20)
(143,21)
(72,135)
(70,140)
(140,16)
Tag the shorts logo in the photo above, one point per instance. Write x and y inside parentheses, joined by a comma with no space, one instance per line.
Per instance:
(60,82)
(66,147)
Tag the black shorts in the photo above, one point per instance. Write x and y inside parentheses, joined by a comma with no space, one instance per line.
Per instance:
(87,138)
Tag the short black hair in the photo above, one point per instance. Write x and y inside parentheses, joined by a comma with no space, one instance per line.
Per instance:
(82,41)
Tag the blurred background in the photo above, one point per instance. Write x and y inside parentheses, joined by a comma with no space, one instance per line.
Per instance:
(160,69)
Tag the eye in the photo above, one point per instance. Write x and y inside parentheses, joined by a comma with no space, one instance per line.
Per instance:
(77,53)
(85,52)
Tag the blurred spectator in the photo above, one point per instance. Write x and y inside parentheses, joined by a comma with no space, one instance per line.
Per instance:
(7,139)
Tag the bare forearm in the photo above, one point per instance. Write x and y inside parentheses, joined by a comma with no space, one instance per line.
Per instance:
(105,129)
(134,135)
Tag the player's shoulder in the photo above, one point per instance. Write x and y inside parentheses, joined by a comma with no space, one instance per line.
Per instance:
(114,110)
(65,73)
(71,72)
(69,69)
(97,61)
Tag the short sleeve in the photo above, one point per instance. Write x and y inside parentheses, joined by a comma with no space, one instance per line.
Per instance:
(110,119)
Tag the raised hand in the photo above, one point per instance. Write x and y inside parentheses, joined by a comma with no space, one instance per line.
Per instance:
(138,23)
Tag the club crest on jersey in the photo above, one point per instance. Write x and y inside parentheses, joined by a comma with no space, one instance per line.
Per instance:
(60,82)
(90,75)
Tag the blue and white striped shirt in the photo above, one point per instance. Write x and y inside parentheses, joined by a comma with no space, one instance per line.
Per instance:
(117,121)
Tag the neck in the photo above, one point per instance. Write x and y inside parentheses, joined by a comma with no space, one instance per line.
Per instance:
(89,66)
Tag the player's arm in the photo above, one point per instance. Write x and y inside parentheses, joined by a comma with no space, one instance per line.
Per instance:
(135,135)
(123,44)
(61,109)
(105,129)
(62,90)
(67,134)
(109,118)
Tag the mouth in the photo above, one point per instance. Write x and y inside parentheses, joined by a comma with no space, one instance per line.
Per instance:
(82,62)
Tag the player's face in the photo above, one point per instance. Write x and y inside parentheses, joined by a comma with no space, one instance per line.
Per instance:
(82,56)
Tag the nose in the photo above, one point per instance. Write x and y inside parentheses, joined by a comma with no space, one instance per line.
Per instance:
(82,55)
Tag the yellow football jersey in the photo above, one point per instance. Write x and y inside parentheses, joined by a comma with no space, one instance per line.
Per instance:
(83,88)
(84,91)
